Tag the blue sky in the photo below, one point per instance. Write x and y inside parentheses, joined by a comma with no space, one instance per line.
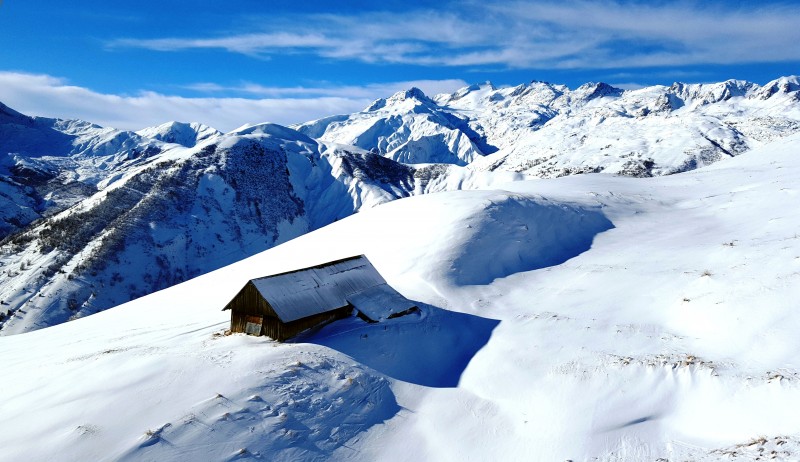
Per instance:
(133,64)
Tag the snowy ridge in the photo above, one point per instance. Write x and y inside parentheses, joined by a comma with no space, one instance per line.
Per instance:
(656,321)
(651,131)
(48,165)
(549,130)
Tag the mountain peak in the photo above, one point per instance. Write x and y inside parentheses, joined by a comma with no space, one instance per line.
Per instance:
(411,93)
(594,90)
(185,134)
(782,85)
(709,93)
(734,87)
(275,131)
(462,92)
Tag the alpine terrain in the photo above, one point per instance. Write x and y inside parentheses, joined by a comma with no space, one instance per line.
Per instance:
(93,217)
(645,310)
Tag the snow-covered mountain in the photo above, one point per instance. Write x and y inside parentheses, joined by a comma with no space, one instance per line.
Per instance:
(407,127)
(548,130)
(185,134)
(651,131)
(585,318)
(47,165)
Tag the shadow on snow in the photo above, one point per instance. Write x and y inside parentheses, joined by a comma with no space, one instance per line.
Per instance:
(430,348)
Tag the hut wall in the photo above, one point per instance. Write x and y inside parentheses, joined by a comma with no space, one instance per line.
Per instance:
(248,305)
(290,329)
(272,328)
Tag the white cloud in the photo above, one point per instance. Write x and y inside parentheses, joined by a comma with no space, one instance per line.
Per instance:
(44,95)
(246,43)
(367,91)
(524,34)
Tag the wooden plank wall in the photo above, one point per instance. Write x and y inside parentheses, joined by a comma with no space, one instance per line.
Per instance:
(249,302)
(275,329)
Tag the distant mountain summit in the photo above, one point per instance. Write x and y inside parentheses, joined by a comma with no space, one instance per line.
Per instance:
(185,134)
(407,127)
(548,130)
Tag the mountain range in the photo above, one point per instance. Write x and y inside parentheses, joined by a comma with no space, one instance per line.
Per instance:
(93,217)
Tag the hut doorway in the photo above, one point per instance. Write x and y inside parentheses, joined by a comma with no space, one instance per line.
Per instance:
(253,325)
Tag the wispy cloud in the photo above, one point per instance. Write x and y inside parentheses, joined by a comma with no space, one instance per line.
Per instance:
(45,95)
(522,34)
(367,92)
(246,44)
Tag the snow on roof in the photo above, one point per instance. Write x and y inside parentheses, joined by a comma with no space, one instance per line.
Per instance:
(309,291)
(379,302)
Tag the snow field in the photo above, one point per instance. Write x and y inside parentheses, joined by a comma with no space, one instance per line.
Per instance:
(634,319)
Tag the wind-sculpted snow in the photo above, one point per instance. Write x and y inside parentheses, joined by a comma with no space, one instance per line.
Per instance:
(274,402)
(306,411)
(450,341)
(514,234)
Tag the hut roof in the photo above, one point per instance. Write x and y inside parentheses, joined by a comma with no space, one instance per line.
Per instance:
(305,292)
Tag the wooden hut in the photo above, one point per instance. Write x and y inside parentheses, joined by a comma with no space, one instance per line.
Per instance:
(283,305)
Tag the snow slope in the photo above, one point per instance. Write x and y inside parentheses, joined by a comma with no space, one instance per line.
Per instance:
(591,318)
